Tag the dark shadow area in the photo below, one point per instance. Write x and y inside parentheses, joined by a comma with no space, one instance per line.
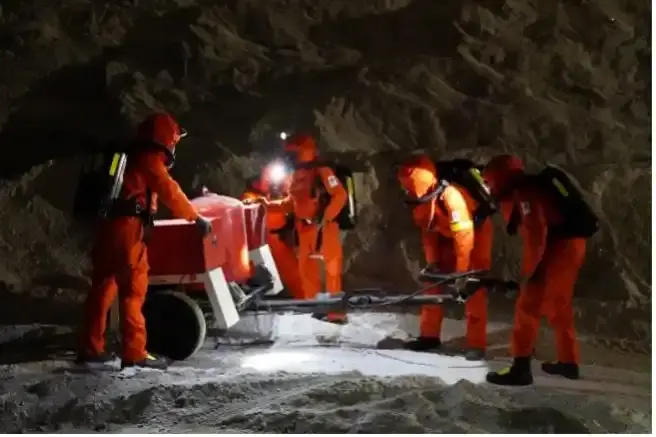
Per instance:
(422,27)
(541,420)
(62,280)
(155,43)
(41,344)
(63,114)
(43,310)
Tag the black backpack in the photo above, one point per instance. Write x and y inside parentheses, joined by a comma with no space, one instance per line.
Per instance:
(99,185)
(579,220)
(99,192)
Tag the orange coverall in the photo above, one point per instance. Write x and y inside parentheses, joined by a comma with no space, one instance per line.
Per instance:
(550,268)
(315,238)
(120,262)
(451,243)
(283,253)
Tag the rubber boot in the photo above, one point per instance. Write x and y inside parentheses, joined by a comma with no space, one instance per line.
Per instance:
(150,362)
(568,370)
(519,374)
(422,344)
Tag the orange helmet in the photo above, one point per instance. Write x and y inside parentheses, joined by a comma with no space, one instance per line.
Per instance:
(302,147)
(417,175)
(501,172)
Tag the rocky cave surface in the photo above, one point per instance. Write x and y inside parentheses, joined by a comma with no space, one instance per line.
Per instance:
(560,81)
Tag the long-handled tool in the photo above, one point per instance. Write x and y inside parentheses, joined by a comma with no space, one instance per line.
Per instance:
(456,287)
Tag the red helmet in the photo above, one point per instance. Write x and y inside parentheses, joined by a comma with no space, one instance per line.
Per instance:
(501,172)
(162,130)
(302,146)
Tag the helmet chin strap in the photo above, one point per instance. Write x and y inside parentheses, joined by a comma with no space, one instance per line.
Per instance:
(170,157)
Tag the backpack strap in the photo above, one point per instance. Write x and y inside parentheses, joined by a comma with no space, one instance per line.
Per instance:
(435,192)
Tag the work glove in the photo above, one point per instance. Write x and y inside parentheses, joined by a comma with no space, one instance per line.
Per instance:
(203,225)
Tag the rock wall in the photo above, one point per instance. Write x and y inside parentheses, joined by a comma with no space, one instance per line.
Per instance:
(560,81)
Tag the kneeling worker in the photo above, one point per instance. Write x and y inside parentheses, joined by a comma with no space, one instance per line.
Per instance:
(554,250)
(119,255)
(273,184)
(445,213)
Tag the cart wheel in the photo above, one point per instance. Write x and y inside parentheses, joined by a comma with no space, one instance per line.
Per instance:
(175,325)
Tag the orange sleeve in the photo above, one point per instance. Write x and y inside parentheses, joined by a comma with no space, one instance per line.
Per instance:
(338,194)
(158,179)
(534,233)
(461,226)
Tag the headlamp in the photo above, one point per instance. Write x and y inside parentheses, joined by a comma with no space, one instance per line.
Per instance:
(277,173)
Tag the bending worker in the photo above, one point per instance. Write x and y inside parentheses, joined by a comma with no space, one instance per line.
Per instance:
(273,184)
(316,196)
(550,267)
(119,256)
(444,212)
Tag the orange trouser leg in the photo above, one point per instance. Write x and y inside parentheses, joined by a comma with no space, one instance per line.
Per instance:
(331,251)
(528,311)
(96,308)
(552,296)
(133,286)
(287,266)
(432,316)
(309,267)
(104,288)
(476,315)
(430,321)
(476,306)
(566,259)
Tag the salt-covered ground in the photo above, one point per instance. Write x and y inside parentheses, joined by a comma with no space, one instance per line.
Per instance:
(318,378)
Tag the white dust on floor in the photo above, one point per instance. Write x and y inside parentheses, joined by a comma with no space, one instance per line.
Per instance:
(313,380)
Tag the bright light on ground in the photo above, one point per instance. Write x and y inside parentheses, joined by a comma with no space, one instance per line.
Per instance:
(332,360)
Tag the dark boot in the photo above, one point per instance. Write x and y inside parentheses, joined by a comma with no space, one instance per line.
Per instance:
(423,344)
(568,370)
(150,362)
(475,355)
(518,374)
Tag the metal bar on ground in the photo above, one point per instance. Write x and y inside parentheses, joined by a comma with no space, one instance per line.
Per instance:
(353,303)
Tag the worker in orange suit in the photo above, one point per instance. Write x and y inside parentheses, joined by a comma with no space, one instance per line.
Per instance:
(550,267)
(273,184)
(452,244)
(316,196)
(119,257)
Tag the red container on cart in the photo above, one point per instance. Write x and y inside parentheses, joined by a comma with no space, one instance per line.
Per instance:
(176,246)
